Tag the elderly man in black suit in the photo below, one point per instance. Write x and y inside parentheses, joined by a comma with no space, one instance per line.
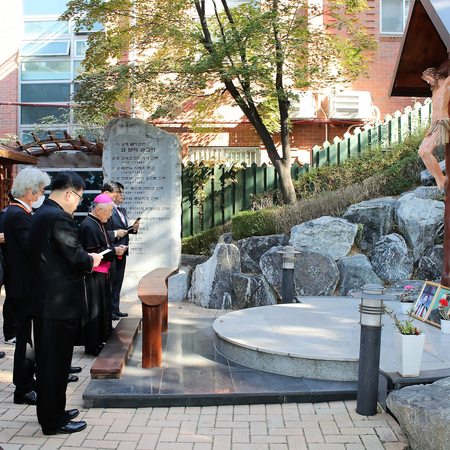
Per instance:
(59,299)
(28,192)
(119,221)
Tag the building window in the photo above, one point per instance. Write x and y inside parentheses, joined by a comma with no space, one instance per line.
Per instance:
(47,8)
(393,15)
(51,53)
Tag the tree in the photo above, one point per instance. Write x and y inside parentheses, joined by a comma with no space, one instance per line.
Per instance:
(164,52)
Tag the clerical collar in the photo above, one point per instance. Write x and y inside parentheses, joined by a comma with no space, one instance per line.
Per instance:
(24,204)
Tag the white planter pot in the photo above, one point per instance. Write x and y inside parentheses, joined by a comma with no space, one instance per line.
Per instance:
(406,307)
(445,326)
(408,352)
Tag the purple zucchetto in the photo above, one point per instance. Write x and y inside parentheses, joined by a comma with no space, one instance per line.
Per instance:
(103,198)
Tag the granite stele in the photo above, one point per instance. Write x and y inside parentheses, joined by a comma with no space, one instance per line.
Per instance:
(147,161)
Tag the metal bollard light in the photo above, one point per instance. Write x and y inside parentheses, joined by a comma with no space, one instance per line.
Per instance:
(371,309)
(287,293)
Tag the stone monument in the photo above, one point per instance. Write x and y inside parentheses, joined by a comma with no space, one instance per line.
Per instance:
(147,161)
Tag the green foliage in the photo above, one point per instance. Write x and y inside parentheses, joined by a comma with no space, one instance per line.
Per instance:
(199,244)
(259,52)
(354,170)
(253,223)
(405,327)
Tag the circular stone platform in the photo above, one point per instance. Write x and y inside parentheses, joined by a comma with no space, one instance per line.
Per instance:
(316,339)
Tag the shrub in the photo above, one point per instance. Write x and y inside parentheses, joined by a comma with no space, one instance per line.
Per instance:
(254,223)
(199,244)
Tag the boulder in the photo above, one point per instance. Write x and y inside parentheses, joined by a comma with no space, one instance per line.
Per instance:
(421,222)
(429,193)
(212,281)
(315,272)
(427,179)
(226,238)
(375,216)
(252,290)
(355,272)
(193,260)
(178,285)
(399,288)
(430,267)
(423,412)
(391,259)
(253,247)
(326,234)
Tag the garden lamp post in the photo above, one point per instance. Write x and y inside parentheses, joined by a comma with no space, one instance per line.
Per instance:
(371,309)
(287,293)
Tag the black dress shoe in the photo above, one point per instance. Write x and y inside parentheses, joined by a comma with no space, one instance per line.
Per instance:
(120,314)
(75,369)
(114,316)
(72,413)
(2,354)
(71,427)
(28,398)
(72,378)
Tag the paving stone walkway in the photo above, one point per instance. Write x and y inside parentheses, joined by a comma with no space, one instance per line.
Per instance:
(292,426)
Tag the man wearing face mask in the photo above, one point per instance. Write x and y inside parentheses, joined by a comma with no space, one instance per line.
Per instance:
(28,193)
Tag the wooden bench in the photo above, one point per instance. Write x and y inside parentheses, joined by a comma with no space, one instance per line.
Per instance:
(152,291)
(111,361)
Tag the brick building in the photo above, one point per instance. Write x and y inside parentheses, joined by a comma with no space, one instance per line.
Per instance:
(39,58)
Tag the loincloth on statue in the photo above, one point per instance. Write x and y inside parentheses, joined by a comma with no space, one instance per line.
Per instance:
(442,128)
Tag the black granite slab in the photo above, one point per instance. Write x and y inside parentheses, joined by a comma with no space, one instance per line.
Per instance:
(195,374)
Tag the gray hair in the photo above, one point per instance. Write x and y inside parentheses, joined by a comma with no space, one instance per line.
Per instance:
(96,205)
(29,178)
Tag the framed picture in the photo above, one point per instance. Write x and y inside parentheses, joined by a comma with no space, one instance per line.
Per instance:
(423,304)
(433,317)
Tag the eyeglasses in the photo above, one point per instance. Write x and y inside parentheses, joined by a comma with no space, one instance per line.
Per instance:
(79,196)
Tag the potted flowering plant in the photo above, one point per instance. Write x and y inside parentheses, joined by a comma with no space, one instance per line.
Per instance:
(409,342)
(406,299)
(444,313)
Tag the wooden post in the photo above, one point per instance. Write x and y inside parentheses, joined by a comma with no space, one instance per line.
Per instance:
(445,278)
(151,336)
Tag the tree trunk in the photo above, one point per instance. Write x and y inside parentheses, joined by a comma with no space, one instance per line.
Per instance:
(286,185)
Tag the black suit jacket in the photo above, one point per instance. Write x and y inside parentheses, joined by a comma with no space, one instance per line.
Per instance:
(59,265)
(16,229)
(118,224)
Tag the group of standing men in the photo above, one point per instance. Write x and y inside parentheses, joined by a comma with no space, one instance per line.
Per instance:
(58,274)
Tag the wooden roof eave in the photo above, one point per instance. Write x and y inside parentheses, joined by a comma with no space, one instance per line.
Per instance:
(425,43)
(10,156)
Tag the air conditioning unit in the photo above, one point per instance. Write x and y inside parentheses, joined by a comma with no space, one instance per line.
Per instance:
(304,107)
(351,105)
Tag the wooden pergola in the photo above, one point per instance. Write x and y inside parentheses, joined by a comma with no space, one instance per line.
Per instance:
(49,153)
(426,43)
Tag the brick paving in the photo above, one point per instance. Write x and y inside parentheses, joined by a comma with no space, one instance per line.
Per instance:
(291,426)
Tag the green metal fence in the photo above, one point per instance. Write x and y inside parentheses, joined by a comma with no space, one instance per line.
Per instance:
(223,199)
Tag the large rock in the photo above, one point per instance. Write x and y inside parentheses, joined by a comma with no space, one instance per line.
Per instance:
(376,217)
(429,193)
(178,285)
(423,412)
(193,260)
(315,272)
(420,221)
(355,271)
(253,290)
(430,267)
(399,288)
(327,234)
(427,179)
(253,247)
(212,282)
(391,259)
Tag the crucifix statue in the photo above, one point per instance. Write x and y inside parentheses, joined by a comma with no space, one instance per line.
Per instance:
(439,131)
(438,134)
